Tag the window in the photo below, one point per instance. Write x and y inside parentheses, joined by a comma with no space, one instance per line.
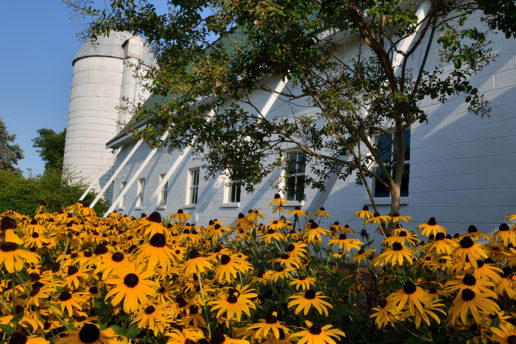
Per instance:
(162,197)
(232,192)
(295,176)
(193,186)
(386,145)
(139,192)
(121,205)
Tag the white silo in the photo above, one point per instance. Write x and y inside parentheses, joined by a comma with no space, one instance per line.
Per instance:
(103,80)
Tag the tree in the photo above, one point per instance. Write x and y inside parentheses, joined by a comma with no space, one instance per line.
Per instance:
(50,147)
(10,153)
(213,55)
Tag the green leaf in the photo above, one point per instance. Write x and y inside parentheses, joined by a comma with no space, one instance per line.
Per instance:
(117,329)
(7,329)
(131,332)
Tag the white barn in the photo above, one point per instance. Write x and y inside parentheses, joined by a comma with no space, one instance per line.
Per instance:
(462,167)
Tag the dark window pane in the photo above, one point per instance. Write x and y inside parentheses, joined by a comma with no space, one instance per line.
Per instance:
(380,190)
(300,163)
(291,188)
(405,181)
(300,188)
(406,138)
(384,146)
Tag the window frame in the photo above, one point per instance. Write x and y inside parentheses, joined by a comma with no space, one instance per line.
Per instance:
(228,201)
(192,187)
(163,192)
(286,174)
(140,193)
(121,204)
(385,200)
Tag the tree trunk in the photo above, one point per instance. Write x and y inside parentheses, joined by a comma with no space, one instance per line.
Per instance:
(395,198)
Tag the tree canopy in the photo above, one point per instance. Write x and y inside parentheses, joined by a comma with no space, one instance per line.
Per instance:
(50,147)
(10,152)
(214,56)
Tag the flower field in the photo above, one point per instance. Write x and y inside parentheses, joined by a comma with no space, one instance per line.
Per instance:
(74,277)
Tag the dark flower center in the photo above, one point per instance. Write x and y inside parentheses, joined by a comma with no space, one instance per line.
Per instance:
(382,303)
(409,288)
(315,329)
(232,298)
(472,229)
(310,294)
(271,319)
(432,221)
(440,236)
(217,338)
(8,246)
(511,339)
(194,309)
(93,290)
(468,294)
(285,256)
(469,280)
(89,333)
(342,237)
(291,247)
(18,338)
(503,227)
(131,280)
(276,196)
(35,235)
(36,286)
(8,223)
(194,254)
(365,208)
(314,225)
(480,263)
(271,231)
(117,257)
(155,217)
(397,246)
(402,233)
(466,242)
(181,302)
(224,259)
(100,249)
(158,240)
(87,254)
(149,310)
(65,296)
(361,251)
(161,290)
(432,290)
(72,270)
(279,268)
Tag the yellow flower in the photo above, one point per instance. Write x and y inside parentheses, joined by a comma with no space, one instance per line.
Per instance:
(230,266)
(314,232)
(154,317)
(303,283)
(346,244)
(132,285)
(196,264)
(297,212)
(385,314)
(180,216)
(364,214)
(265,328)
(469,251)
(411,296)
(310,298)
(467,301)
(397,254)
(505,235)
(431,228)
(90,334)
(20,338)
(322,212)
(13,258)
(316,334)
(156,253)
(234,302)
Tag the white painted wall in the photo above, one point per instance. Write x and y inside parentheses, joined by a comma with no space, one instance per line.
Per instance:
(462,166)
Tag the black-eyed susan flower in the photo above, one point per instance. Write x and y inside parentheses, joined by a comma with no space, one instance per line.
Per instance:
(488,271)
(468,281)
(132,285)
(346,244)
(505,235)
(267,328)
(308,299)
(220,338)
(196,264)
(276,225)
(302,282)
(322,212)
(378,219)
(469,302)
(396,218)
(13,258)
(271,235)
(442,245)
(507,284)
(229,266)
(315,334)
(410,296)
(279,273)
(362,255)
(385,314)
(506,334)
(470,251)
(180,216)
(429,311)
(364,214)
(90,334)
(397,254)
(70,302)
(314,232)
(153,317)
(278,201)
(193,317)
(234,302)
(156,252)
(297,212)
(108,265)
(288,260)
(402,236)
(431,227)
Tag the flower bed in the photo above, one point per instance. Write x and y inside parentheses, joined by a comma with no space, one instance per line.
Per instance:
(73,277)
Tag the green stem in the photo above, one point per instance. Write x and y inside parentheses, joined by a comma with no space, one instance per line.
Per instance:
(204,306)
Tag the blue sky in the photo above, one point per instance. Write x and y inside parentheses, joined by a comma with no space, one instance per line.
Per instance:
(37,47)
